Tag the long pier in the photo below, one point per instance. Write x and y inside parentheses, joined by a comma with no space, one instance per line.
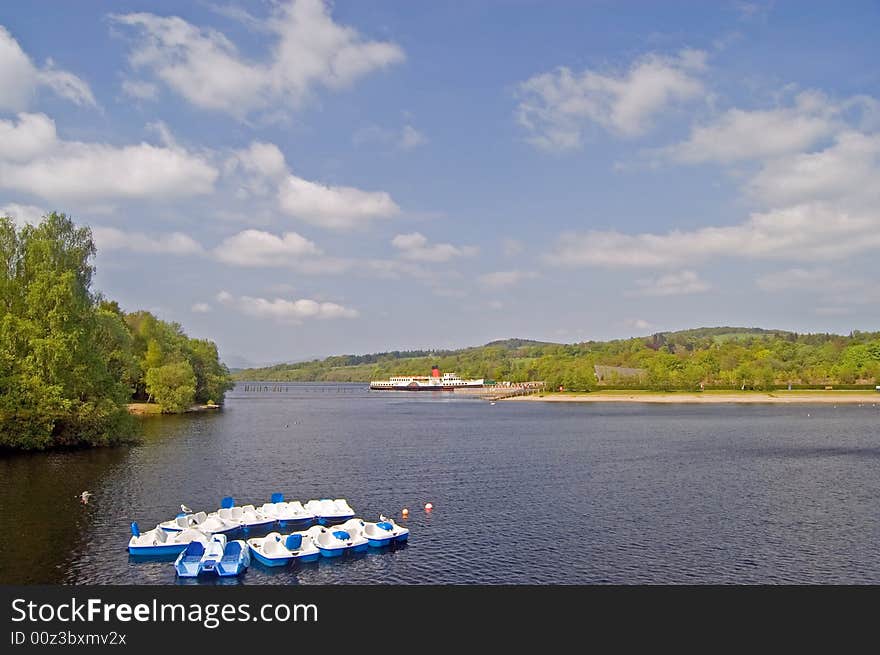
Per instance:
(276,387)
(490,392)
(502,391)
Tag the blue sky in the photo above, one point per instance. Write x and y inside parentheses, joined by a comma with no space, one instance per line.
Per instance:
(303,178)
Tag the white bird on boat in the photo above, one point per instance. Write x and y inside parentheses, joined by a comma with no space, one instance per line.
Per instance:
(84,497)
(185,509)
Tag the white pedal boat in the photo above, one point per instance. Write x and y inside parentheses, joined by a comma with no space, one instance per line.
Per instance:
(218,522)
(279,550)
(220,557)
(328,510)
(292,514)
(247,517)
(158,542)
(180,522)
(337,540)
(212,524)
(384,532)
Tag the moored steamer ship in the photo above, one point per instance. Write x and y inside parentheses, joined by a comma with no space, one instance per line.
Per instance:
(436,382)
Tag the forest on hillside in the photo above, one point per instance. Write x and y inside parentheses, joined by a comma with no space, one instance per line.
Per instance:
(71,360)
(722,357)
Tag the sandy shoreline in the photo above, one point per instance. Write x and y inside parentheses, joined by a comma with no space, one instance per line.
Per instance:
(776,397)
(151,409)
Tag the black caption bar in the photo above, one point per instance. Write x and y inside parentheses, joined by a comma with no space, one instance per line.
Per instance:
(122,617)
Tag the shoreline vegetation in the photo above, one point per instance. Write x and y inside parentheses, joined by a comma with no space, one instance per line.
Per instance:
(825,397)
(71,360)
(718,359)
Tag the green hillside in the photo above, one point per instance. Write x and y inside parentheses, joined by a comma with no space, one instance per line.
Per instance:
(717,357)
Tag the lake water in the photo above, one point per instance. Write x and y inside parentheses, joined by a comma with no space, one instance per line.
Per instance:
(523,492)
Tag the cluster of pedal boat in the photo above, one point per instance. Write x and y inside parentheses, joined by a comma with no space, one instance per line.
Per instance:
(201,542)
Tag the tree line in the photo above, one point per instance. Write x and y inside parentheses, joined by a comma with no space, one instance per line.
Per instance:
(71,360)
(721,358)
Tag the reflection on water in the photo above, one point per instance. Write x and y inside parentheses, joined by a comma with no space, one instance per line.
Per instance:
(523,492)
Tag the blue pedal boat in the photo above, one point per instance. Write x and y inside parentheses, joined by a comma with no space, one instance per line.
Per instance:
(219,557)
(338,540)
(280,550)
(384,532)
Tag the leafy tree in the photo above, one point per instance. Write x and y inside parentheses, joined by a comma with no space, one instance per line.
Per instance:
(56,387)
(173,386)
(70,360)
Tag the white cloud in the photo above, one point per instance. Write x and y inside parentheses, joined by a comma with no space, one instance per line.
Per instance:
(556,106)
(405,138)
(23,214)
(174,243)
(34,160)
(201,308)
(253,248)
(309,51)
(502,279)
(415,246)
(411,138)
(20,79)
(814,231)
(265,159)
(32,136)
(67,85)
(334,207)
(822,205)
(288,311)
(848,171)
(809,279)
(140,90)
(637,323)
(672,284)
(740,135)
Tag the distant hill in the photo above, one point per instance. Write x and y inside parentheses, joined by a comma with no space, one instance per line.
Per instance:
(722,357)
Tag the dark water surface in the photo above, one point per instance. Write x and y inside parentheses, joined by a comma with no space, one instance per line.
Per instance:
(523,492)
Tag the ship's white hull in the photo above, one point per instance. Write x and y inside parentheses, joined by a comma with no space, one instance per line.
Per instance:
(424,387)
(446,382)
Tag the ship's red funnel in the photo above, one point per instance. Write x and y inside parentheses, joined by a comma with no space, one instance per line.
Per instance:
(435,371)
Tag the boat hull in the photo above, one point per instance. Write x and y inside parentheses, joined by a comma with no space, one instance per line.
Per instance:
(271,561)
(332,552)
(284,561)
(296,523)
(257,526)
(438,387)
(156,551)
(325,520)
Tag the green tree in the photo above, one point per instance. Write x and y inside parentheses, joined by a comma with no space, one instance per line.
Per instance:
(56,387)
(172,385)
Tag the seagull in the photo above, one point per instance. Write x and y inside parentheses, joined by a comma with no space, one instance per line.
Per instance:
(185,509)
(84,497)
(382,517)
